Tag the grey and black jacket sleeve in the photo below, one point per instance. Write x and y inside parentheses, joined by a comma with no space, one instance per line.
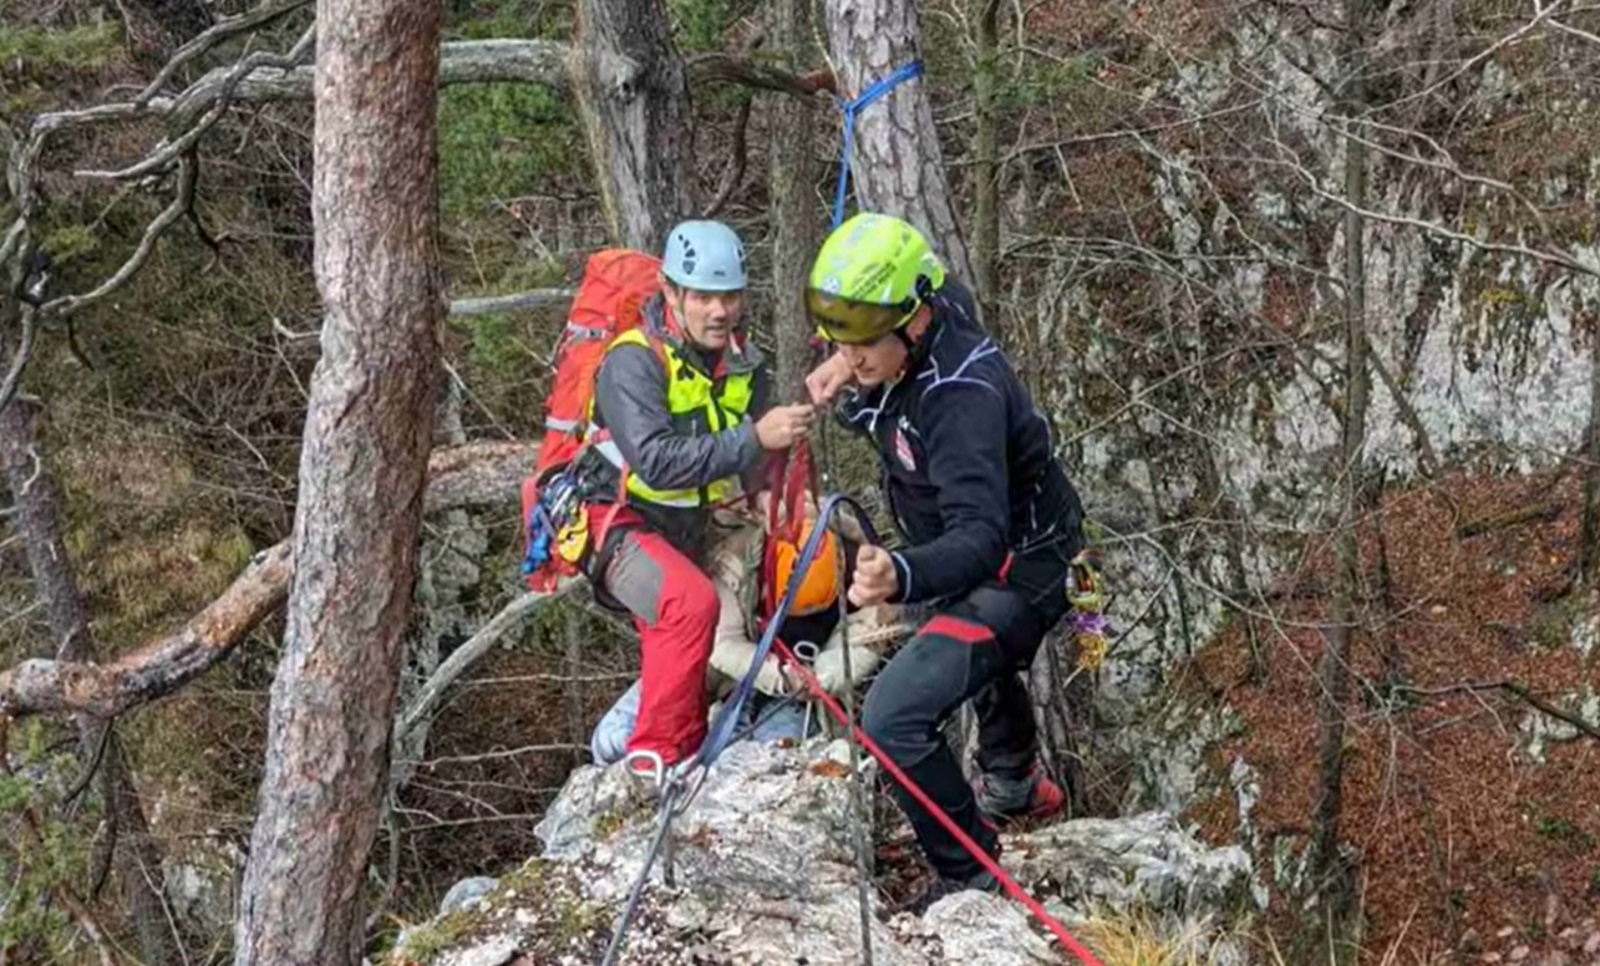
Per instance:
(631,396)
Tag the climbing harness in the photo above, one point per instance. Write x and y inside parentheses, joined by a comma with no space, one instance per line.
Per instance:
(850,109)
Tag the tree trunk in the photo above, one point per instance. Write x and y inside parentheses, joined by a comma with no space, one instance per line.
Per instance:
(898,166)
(634,97)
(1334,673)
(986,169)
(37,503)
(795,219)
(135,855)
(1589,548)
(362,472)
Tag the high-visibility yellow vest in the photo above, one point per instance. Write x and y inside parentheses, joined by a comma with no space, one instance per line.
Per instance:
(697,404)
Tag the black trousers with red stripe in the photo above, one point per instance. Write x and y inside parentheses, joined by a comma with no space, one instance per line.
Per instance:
(976,648)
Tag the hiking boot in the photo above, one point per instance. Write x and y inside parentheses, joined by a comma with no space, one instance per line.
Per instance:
(940,887)
(1031,798)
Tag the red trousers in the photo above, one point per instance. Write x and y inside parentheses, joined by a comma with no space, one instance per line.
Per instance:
(675,608)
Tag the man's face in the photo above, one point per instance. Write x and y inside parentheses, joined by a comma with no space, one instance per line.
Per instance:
(876,362)
(708,318)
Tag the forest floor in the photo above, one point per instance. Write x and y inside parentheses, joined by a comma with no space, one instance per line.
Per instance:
(1473,816)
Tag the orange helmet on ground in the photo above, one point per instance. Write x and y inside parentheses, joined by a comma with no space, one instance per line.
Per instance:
(819,587)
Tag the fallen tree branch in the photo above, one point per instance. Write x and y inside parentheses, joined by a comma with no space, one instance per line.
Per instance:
(741,70)
(1515,688)
(510,618)
(1537,513)
(531,299)
(477,474)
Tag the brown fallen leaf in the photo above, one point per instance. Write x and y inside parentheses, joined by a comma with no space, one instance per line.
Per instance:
(828,768)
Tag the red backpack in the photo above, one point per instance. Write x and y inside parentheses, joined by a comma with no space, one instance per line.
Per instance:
(610,300)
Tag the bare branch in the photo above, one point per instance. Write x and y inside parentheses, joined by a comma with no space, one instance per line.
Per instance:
(19,359)
(182,198)
(1517,689)
(1428,456)
(235,74)
(508,620)
(1574,31)
(460,62)
(214,35)
(532,299)
(1572,262)
(742,70)
(478,474)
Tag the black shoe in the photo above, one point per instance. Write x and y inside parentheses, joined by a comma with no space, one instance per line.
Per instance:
(941,887)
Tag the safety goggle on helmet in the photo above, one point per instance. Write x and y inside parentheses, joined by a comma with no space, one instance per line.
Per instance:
(869,278)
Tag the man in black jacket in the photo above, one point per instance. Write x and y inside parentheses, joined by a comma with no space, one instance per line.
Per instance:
(990,520)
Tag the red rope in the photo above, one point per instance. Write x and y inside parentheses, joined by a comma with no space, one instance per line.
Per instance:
(791,480)
(1009,884)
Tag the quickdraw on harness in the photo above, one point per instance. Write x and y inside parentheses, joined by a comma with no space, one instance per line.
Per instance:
(557,526)
(1086,594)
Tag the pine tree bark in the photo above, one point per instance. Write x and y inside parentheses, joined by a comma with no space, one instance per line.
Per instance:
(135,855)
(796,221)
(898,165)
(634,96)
(362,472)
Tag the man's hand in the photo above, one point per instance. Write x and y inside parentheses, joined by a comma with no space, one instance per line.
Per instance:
(783,426)
(825,381)
(875,577)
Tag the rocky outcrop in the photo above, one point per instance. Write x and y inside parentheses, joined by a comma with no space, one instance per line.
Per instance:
(764,871)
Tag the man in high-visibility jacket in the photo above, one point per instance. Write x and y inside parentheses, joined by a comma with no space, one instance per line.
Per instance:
(679,422)
(991,521)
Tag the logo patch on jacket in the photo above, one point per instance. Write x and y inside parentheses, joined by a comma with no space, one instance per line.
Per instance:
(902,450)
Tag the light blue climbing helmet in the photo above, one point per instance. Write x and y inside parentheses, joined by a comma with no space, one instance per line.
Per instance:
(704,255)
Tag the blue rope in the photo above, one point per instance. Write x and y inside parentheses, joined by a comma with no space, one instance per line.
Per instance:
(850,110)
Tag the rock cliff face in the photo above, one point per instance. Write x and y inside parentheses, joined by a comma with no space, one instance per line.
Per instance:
(765,872)
(1203,394)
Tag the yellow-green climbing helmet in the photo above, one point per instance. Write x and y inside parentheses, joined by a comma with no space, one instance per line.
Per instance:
(869,278)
